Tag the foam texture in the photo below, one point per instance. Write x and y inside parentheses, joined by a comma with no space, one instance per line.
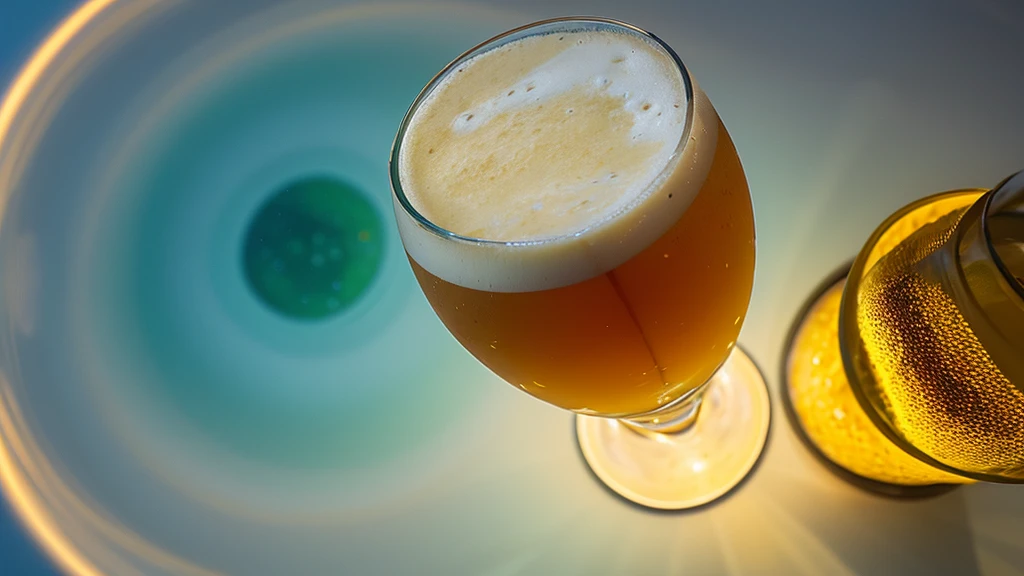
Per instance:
(549,152)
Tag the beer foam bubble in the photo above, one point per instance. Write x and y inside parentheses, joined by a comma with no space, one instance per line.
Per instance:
(613,64)
(552,158)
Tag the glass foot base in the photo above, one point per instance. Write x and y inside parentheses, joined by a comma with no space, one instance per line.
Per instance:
(693,467)
(839,432)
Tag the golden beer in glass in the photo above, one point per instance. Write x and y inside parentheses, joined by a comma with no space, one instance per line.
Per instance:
(908,376)
(608,344)
(633,318)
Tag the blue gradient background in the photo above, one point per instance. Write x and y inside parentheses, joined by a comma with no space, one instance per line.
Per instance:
(842,112)
(23,25)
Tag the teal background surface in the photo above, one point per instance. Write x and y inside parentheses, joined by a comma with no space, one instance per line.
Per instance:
(23,24)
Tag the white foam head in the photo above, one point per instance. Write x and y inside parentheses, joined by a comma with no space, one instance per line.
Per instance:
(495,192)
(607,62)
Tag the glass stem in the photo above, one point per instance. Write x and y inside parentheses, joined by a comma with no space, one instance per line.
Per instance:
(674,418)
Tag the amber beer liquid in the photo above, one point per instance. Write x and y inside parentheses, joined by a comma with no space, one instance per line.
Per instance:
(604,256)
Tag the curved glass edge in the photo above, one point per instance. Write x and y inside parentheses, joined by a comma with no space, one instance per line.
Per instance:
(989,296)
(565,23)
(1013,188)
(854,353)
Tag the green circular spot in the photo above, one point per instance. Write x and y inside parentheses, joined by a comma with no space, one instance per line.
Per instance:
(313,248)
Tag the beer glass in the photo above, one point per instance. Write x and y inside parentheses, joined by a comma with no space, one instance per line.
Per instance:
(907,376)
(642,347)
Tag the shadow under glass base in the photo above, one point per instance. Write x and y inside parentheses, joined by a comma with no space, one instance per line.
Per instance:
(833,281)
(695,466)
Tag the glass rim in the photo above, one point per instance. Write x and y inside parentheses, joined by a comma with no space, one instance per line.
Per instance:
(1013,184)
(396,146)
